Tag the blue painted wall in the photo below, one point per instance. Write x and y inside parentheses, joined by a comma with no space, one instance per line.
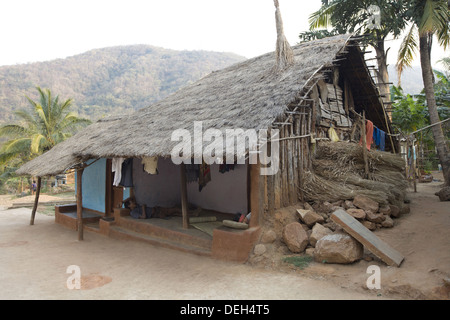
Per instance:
(94,186)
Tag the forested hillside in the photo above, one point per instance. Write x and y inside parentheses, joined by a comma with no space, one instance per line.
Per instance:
(106,81)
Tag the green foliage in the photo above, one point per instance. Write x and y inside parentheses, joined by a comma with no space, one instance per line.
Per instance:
(426,17)
(408,113)
(299,261)
(353,16)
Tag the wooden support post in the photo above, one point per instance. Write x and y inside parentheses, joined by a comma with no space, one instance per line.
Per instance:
(184,205)
(36,201)
(79,204)
(413,151)
(364,145)
(256,194)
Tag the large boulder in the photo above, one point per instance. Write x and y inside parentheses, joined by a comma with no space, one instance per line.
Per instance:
(295,237)
(388,222)
(444,194)
(375,217)
(309,217)
(365,203)
(395,211)
(356,213)
(318,232)
(338,248)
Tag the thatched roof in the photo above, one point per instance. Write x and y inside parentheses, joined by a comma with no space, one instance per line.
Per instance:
(248,95)
(63,156)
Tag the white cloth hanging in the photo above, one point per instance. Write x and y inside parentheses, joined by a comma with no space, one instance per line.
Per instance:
(116,167)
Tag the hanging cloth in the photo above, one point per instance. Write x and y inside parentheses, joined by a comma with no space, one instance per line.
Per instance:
(150,164)
(333,135)
(369,134)
(192,172)
(204,175)
(116,167)
(382,140)
(127,173)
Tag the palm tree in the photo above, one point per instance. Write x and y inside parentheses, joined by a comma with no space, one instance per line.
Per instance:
(45,124)
(428,18)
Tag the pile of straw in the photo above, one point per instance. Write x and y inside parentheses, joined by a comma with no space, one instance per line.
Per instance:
(338,174)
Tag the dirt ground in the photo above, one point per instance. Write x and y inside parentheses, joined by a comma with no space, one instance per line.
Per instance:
(34,261)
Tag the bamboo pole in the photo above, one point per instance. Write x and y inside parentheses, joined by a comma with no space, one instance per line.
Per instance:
(364,145)
(36,201)
(80,204)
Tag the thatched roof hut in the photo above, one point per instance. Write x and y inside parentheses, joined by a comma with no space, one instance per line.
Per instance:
(249,95)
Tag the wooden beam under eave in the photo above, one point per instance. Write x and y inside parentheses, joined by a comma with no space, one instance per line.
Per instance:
(184,201)
(80,204)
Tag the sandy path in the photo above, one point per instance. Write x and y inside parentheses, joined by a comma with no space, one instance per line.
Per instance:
(34,259)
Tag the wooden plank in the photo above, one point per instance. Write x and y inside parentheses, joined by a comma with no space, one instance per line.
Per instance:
(367,238)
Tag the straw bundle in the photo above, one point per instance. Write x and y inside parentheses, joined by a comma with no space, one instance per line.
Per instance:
(283,51)
(317,188)
(339,171)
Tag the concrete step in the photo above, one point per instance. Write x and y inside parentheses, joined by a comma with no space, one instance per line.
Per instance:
(122,233)
(167,230)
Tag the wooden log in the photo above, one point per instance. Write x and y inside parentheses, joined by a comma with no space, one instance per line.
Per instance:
(184,204)
(36,201)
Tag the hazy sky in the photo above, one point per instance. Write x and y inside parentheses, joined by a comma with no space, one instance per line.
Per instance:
(32,30)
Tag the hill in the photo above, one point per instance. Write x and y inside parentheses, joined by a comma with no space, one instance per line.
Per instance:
(111,80)
(412,82)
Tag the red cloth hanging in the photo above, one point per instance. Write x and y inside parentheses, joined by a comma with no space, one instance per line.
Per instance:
(369,134)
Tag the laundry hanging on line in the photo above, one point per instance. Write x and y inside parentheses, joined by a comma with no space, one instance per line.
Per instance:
(379,137)
(204,175)
(225,167)
(127,173)
(192,172)
(116,167)
(150,164)
(369,134)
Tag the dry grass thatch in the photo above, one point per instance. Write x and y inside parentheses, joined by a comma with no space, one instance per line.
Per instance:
(339,170)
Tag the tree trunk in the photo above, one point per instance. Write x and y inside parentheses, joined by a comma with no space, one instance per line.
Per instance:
(382,74)
(36,200)
(427,75)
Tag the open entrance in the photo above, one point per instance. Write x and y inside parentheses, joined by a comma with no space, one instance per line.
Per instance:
(214,193)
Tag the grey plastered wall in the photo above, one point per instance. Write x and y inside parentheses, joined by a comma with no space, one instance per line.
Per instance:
(226,192)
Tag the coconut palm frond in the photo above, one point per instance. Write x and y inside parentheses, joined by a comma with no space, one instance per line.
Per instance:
(407,51)
(321,19)
(12,130)
(435,17)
